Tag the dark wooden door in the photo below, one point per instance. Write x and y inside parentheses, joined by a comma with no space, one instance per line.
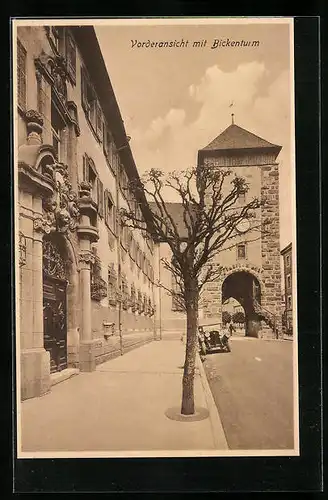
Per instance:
(55,322)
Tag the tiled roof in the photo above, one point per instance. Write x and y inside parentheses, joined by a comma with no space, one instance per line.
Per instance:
(235,137)
(176,212)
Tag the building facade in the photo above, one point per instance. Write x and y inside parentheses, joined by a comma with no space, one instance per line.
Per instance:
(251,262)
(250,267)
(288,286)
(86,283)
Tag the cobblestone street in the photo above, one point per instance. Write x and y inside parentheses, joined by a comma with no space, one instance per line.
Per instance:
(253,391)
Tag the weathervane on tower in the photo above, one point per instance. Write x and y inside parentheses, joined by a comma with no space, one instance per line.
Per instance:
(232,114)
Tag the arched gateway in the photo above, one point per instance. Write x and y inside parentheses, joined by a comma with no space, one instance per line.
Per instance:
(251,261)
(245,288)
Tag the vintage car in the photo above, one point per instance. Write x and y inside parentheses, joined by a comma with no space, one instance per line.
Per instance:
(213,340)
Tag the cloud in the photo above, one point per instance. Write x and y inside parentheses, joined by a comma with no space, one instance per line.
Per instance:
(169,142)
(261,105)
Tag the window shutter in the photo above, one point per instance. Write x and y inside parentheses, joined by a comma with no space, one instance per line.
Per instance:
(105,138)
(114,219)
(84,89)
(100,195)
(85,168)
(21,74)
(106,206)
(110,149)
(71,56)
(99,121)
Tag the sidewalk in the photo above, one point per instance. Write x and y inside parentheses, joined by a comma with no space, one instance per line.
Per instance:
(121,407)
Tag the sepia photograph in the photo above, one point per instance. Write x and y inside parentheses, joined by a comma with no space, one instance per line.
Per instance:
(155,237)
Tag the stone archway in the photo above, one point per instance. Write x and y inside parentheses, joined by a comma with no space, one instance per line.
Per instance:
(245,287)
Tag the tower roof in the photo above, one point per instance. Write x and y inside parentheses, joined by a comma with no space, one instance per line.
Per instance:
(237,138)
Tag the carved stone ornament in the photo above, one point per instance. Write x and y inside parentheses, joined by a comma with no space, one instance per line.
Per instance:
(60,211)
(85,189)
(54,68)
(22,249)
(87,257)
(33,116)
(98,289)
(53,263)
(34,126)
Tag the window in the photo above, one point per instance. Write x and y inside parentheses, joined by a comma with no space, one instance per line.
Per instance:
(123,179)
(289,281)
(57,128)
(97,188)
(99,122)
(139,302)
(110,213)
(289,302)
(138,255)
(125,293)
(134,250)
(71,56)
(41,94)
(112,283)
(133,301)
(21,75)
(98,286)
(90,176)
(129,241)
(287,261)
(241,251)
(90,105)
(142,263)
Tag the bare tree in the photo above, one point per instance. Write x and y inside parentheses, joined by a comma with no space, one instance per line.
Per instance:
(211,212)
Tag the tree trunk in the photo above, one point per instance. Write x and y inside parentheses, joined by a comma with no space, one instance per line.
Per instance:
(188,400)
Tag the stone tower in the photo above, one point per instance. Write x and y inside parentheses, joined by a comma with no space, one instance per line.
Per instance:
(251,269)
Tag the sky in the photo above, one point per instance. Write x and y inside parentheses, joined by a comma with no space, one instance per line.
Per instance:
(175,100)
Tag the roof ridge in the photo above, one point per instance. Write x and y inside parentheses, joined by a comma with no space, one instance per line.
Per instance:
(236,137)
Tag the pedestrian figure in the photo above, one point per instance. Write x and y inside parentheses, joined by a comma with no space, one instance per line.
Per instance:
(231,328)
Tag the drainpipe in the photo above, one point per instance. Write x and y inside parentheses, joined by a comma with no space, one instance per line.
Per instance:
(160,292)
(119,261)
(119,270)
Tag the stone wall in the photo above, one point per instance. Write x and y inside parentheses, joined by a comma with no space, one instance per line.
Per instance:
(271,263)
(263,255)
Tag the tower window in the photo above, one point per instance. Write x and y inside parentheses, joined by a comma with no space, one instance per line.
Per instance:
(288,261)
(289,281)
(242,198)
(241,251)
(289,301)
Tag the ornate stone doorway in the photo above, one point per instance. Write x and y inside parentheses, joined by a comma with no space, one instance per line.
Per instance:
(55,304)
(245,288)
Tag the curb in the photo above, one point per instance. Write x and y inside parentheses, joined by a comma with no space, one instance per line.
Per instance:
(219,438)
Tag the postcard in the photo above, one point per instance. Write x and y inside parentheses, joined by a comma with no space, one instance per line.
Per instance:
(155,230)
